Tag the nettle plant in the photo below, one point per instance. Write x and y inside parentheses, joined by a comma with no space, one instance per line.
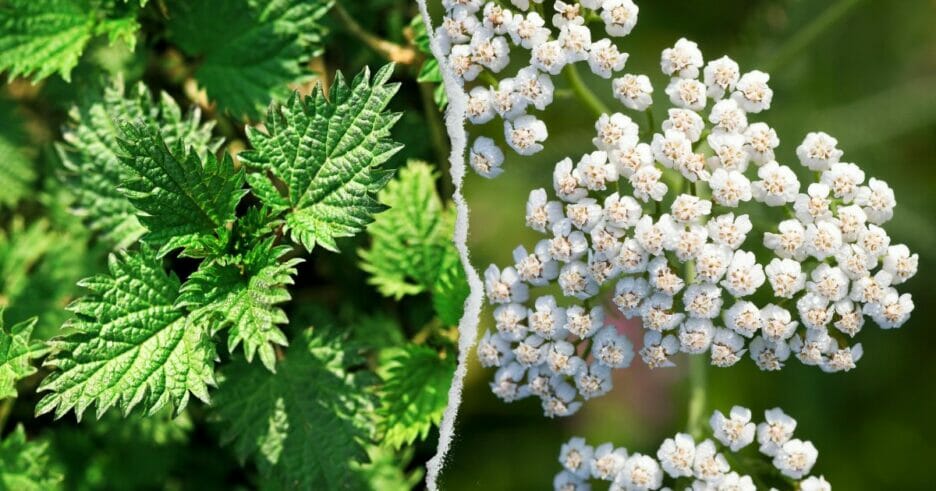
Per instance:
(691,226)
(232,274)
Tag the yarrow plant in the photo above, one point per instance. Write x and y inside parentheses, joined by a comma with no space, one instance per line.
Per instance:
(722,462)
(692,226)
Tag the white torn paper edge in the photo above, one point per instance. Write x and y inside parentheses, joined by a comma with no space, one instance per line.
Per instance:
(468,325)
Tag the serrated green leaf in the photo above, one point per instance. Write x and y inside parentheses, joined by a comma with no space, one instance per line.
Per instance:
(15,355)
(245,296)
(265,47)
(16,168)
(328,152)
(91,153)
(25,466)
(409,241)
(302,424)
(128,345)
(414,394)
(179,196)
(43,37)
(450,290)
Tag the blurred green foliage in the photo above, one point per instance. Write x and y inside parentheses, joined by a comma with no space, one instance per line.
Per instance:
(868,78)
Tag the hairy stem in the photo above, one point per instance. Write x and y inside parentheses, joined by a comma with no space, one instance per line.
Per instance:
(391,51)
(805,36)
(583,92)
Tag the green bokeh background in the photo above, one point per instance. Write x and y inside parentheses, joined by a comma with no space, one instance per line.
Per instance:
(868,78)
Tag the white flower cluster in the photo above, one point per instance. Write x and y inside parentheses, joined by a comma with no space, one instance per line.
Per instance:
(478,36)
(657,223)
(706,463)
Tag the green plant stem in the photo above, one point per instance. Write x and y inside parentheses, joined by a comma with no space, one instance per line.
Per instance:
(437,135)
(651,126)
(583,92)
(805,36)
(396,53)
(697,395)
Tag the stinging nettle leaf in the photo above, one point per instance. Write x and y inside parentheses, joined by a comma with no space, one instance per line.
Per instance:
(302,425)
(265,47)
(91,153)
(180,197)
(327,151)
(43,37)
(16,167)
(414,394)
(25,466)
(244,295)
(15,355)
(128,345)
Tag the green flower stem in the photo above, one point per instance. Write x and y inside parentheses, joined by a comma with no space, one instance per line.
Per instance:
(697,380)
(651,126)
(583,92)
(805,36)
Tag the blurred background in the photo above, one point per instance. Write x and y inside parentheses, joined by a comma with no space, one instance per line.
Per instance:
(861,70)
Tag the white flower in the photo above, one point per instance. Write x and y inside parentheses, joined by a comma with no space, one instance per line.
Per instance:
(640,473)
(489,50)
(647,185)
(496,18)
(877,201)
(583,323)
(537,269)
(615,131)
(593,380)
(828,281)
(632,258)
(727,348)
(796,458)
(479,109)
(629,294)
(560,401)
(506,383)
(461,61)
(712,262)
(565,480)
(687,93)
(604,58)
(549,57)
(687,208)
(634,91)
(761,140)
(508,321)
(493,350)
(687,121)
(703,300)
(594,171)
(663,278)
(776,323)
(547,319)
(567,244)
(657,349)
(814,205)
(709,465)
(720,76)
(900,263)
(695,335)
(567,184)
(506,101)
(619,16)
(575,456)
(728,230)
(870,289)
(671,147)
(736,431)
(891,311)
(778,184)
(655,237)
(534,87)
(682,60)
(850,319)
(728,117)
(677,455)
(576,41)
(823,239)
(813,483)
(789,241)
(752,92)
(786,277)
(630,159)
(743,318)
(607,461)
(504,286)
(531,351)
(812,349)
(575,281)
(729,151)
(689,242)
(585,214)
(842,359)
(851,220)
(541,214)
(527,31)
(818,151)
(472,6)
(814,310)
(621,212)
(567,14)
(874,240)
(730,187)
(457,27)
(486,158)
(768,355)
(775,431)
(843,179)
(744,275)
(524,134)
(611,348)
